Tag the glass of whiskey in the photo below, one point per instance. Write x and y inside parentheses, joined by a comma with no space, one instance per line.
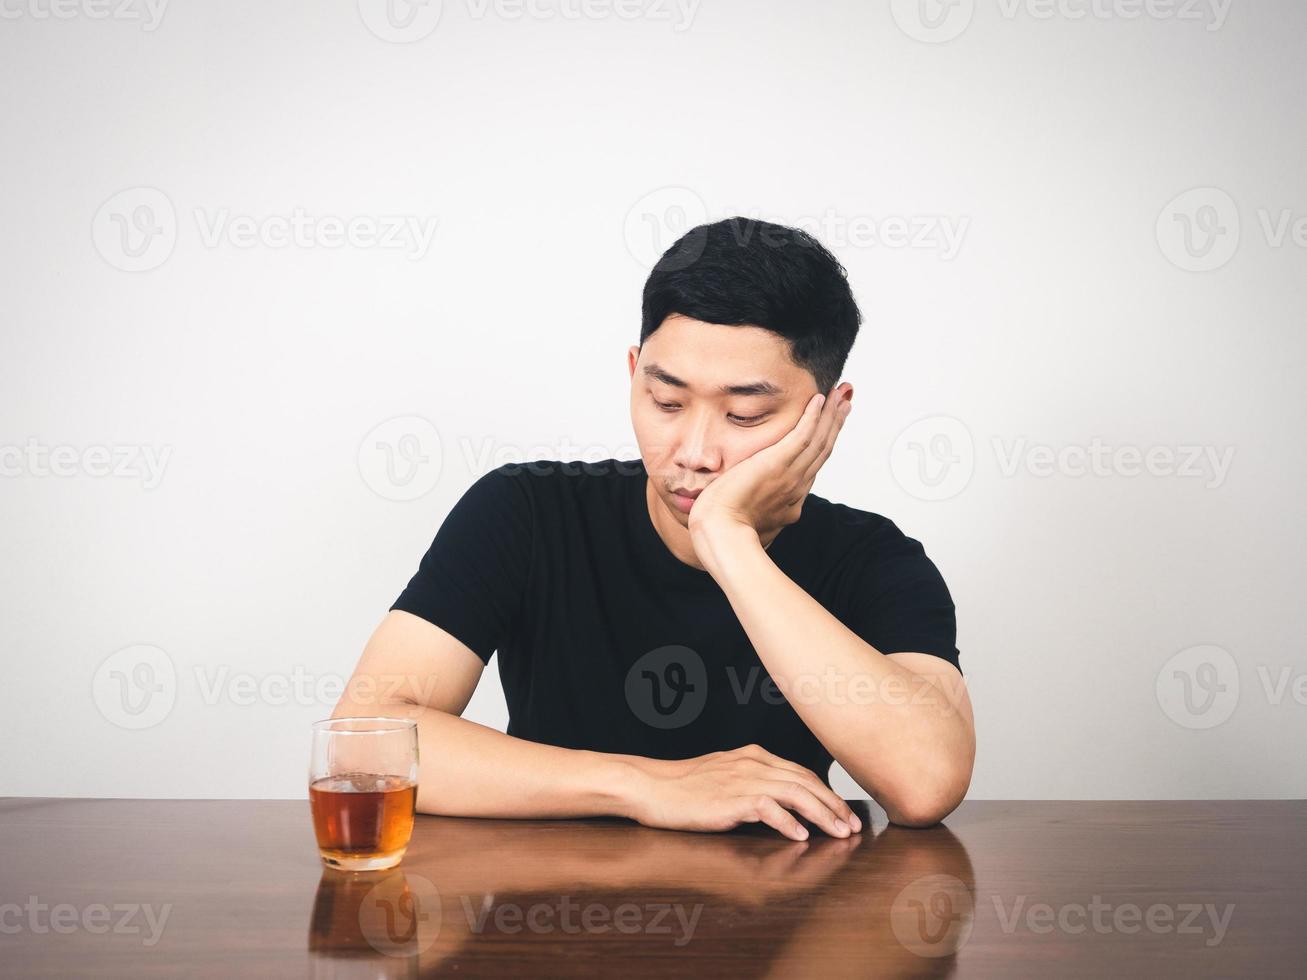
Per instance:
(363,779)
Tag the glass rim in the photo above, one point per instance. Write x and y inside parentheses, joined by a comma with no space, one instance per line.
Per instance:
(392,725)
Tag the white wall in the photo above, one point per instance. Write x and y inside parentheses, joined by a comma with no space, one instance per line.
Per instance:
(1067,311)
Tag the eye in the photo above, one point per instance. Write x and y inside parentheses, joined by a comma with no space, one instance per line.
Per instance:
(666,406)
(747,420)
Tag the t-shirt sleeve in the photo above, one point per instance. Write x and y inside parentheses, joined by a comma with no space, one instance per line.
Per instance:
(897,600)
(472,579)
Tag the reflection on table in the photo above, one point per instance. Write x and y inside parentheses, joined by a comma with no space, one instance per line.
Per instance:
(606,898)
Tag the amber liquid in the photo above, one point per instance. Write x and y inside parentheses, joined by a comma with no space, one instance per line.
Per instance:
(360,818)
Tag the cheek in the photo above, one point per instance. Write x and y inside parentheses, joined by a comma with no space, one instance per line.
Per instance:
(752,440)
(648,430)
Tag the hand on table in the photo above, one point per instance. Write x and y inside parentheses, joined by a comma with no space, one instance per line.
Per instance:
(722,790)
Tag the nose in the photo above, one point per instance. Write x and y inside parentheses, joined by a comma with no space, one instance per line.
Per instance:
(698,444)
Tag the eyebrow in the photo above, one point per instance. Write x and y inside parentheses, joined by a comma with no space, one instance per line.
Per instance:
(752,388)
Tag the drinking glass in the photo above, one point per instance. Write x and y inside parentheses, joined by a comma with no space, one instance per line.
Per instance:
(363,781)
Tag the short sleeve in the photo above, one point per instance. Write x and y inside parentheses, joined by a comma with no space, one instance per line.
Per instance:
(897,600)
(471,581)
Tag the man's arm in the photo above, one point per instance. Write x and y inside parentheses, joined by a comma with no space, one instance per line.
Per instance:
(413,669)
(901,725)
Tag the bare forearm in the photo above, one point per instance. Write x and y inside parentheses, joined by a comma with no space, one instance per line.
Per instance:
(894,731)
(412,669)
(469,770)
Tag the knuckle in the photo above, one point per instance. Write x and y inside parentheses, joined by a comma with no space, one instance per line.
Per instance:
(807,795)
(805,779)
(796,795)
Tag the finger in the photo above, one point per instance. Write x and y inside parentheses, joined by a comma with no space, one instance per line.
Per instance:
(785,863)
(816,861)
(841,412)
(794,442)
(838,408)
(833,414)
(764,808)
(814,436)
(842,404)
(823,434)
(797,797)
(813,782)
(829,798)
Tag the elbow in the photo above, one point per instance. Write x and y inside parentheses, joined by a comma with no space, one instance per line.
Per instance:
(920,811)
(921,791)
(925,805)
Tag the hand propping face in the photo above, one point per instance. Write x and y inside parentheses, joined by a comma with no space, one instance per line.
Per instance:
(766,490)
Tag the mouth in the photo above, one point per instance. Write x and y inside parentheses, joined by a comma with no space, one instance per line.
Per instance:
(684,499)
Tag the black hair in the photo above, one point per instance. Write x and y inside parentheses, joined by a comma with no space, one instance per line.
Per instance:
(741,271)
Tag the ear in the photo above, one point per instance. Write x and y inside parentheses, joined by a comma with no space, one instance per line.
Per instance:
(632,355)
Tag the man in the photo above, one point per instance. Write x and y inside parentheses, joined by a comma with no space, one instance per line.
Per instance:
(690,639)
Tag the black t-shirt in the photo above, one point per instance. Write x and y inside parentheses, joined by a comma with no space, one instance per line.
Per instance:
(609,642)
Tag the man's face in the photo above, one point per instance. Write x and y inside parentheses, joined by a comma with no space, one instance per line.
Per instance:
(706,396)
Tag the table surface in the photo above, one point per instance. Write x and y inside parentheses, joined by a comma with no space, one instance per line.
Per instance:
(235,888)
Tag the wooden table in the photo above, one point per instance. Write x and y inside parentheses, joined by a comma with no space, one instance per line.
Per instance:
(1039,889)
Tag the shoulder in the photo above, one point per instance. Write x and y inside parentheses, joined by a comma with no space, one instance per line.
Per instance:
(548,486)
(883,584)
(868,552)
(559,477)
(856,534)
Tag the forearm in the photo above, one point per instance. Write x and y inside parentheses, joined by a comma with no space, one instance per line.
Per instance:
(469,770)
(893,730)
